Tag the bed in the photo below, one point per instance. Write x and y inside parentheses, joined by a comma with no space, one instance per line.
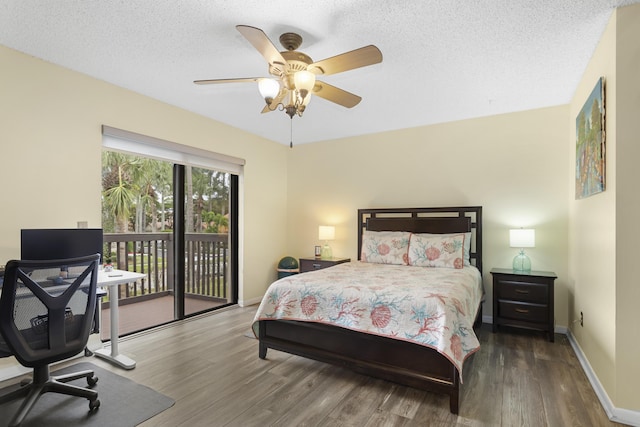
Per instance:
(382,346)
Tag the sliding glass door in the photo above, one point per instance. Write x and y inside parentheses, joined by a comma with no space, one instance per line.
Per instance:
(206,239)
(173,223)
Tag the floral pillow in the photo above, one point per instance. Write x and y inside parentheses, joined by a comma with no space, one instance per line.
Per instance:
(385,247)
(432,250)
(466,249)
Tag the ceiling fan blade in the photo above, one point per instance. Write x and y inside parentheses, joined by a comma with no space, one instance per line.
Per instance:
(337,95)
(362,57)
(216,81)
(261,42)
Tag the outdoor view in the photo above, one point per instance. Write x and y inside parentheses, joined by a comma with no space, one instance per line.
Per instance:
(138,223)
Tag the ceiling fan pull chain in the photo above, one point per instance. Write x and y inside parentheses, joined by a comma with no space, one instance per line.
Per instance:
(291,133)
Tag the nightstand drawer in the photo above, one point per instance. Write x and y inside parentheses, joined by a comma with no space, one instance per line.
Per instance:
(312,264)
(526,312)
(523,291)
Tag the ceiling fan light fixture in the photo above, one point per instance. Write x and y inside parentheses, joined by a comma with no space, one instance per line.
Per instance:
(292,83)
(305,102)
(304,82)
(269,89)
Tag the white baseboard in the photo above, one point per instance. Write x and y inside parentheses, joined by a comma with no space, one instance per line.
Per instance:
(11,368)
(558,329)
(248,302)
(618,415)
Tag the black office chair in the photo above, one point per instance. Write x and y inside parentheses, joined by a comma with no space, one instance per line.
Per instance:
(46,314)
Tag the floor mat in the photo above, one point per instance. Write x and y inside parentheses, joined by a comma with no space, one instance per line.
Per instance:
(123,402)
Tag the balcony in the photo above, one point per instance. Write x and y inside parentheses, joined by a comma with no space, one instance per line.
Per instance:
(149,302)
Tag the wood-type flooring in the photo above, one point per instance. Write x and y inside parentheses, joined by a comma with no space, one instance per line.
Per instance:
(212,370)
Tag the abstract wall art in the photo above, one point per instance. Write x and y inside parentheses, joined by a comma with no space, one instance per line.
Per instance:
(590,144)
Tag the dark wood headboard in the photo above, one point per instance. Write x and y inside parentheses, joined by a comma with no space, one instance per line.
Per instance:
(426,220)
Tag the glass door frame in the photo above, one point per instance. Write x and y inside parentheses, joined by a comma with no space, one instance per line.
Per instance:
(179,244)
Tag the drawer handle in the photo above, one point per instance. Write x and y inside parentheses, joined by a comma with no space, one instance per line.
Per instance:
(522,291)
(522,310)
(317,265)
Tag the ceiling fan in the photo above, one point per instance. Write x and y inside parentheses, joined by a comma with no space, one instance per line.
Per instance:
(296,72)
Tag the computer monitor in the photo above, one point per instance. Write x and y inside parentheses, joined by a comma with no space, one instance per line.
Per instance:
(59,243)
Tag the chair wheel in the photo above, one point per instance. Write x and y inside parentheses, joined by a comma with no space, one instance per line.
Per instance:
(92,381)
(94,404)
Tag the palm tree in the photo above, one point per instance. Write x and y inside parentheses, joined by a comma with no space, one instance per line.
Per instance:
(118,196)
(164,188)
(147,177)
(200,188)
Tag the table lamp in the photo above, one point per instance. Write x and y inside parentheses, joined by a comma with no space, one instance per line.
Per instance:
(522,238)
(326,233)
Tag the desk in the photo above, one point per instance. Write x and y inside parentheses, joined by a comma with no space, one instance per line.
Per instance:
(112,279)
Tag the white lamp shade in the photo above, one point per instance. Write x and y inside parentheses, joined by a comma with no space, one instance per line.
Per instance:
(306,100)
(522,238)
(304,80)
(326,232)
(269,88)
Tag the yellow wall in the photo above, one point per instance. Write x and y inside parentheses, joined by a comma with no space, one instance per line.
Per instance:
(627,207)
(510,164)
(593,228)
(50,135)
(604,228)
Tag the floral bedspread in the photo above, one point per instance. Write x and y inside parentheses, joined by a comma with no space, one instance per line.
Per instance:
(433,307)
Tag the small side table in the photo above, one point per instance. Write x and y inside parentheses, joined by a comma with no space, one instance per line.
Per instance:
(523,299)
(312,264)
(112,279)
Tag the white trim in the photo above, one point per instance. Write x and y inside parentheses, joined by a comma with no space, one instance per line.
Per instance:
(135,143)
(13,369)
(248,302)
(617,415)
(558,329)
(561,330)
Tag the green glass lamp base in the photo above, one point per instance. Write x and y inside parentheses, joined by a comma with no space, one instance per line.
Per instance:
(521,262)
(326,253)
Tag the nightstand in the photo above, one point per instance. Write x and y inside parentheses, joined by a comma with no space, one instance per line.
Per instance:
(311,264)
(523,299)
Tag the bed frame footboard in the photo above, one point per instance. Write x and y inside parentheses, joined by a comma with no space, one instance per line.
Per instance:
(379,357)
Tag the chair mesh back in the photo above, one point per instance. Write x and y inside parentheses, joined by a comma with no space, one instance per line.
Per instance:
(49,311)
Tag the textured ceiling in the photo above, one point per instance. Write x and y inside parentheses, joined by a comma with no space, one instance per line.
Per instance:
(443,60)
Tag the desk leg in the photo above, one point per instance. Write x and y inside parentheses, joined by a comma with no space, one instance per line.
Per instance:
(111,354)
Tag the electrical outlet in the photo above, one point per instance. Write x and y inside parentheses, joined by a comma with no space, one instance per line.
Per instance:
(581,319)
